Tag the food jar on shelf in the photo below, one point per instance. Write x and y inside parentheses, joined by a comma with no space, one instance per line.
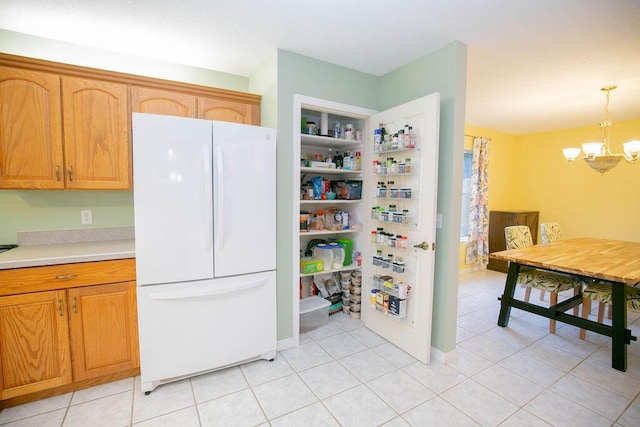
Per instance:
(407,165)
(391,241)
(404,193)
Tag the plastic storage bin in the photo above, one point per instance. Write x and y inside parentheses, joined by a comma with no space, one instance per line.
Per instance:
(314,312)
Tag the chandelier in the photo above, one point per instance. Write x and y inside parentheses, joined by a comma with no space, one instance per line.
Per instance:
(597,154)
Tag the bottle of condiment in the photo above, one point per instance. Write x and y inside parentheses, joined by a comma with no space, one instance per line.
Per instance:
(383,137)
(358,161)
(339,160)
(347,161)
(329,158)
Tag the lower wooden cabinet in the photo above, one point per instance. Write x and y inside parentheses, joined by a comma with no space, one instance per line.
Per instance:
(34,343)
(103,329)
(65,339)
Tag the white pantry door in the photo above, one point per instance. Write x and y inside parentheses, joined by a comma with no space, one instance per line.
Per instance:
(413,332)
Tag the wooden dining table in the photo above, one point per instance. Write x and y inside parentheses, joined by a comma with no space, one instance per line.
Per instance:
(611,261)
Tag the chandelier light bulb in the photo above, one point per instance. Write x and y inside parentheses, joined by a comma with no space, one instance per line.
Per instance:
(592,149)
(571,153)
(598,155)
(632,149)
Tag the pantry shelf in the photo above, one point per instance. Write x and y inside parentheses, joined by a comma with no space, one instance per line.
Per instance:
(346,268)
(330,202)
(329,171)
(328,232)
(328,142)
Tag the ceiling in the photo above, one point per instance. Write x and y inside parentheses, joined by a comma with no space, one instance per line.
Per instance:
(533,65)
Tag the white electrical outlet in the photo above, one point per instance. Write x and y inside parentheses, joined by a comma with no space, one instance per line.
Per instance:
(439,220)
(86,216)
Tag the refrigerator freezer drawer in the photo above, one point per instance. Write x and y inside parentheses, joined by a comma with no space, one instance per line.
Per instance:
(195,327)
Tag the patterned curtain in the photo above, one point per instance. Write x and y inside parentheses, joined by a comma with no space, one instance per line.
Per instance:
(478,244)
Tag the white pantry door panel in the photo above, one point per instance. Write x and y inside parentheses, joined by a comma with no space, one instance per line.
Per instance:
(413,334)
(172,199)
(244,188)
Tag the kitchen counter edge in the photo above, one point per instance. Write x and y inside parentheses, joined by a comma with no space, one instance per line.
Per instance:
(66,253)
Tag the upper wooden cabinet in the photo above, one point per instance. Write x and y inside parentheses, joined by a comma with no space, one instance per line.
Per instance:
(69,127)
(157,101)
(31,153)
(97,146)
(228,111)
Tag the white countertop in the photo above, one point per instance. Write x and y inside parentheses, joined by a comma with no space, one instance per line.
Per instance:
(65,253)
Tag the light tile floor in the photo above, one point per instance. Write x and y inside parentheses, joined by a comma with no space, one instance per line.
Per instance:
(343,374)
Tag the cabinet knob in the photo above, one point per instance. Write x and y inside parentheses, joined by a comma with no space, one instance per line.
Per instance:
(73,306)
(60,307)
(70,173)
(57,172)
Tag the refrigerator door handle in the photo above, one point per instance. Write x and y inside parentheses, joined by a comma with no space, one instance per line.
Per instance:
(208,220)
(219,237)
(201,293)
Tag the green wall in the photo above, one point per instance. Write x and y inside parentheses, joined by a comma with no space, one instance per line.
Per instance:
(53,50)
(58,210)
(443,71)
(302,75)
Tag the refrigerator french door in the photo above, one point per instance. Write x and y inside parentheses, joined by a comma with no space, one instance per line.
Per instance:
(205,245)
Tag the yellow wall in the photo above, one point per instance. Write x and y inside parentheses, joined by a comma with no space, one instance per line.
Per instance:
(528,172)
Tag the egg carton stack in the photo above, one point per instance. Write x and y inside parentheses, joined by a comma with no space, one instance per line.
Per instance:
(356,294)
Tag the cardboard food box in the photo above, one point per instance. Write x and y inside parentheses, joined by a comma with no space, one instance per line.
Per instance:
(397,306)
(310,265)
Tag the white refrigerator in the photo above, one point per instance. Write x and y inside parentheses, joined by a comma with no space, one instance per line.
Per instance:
(205,216)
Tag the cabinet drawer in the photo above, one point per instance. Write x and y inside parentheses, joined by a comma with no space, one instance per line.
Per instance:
(63,276)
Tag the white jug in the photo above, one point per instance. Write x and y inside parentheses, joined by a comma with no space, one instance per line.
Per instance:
(325,253)
(338,255)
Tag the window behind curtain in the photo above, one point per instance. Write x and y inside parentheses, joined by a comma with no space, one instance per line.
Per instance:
(466,194)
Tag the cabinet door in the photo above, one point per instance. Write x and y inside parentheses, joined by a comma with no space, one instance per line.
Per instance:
(104,329)
(34,343)
(30,130)
(96,135)
(228,111)
(156,101)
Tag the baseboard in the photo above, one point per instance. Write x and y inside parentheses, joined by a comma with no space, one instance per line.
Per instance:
(286,343)
(442,357)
